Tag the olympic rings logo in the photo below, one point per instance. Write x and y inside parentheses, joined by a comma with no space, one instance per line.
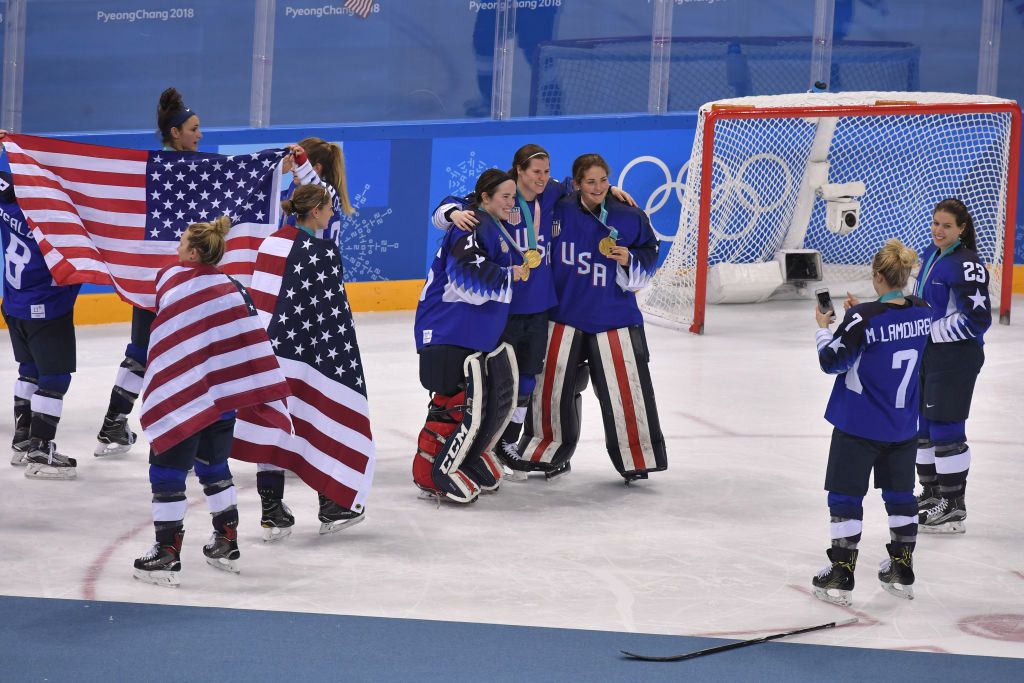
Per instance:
(730,190)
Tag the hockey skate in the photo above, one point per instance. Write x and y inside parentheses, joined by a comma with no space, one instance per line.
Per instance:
(897,573)
(558,472)
(222,550)
(948,516)
(161,565)
(929,497)
(20,447)
(115,436)
(834,583)
(635,475)
(334,517)
(513,467)
(44,462)
(277,520)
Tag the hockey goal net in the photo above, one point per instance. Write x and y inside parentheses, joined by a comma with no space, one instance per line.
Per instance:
(612,75)
(754,184)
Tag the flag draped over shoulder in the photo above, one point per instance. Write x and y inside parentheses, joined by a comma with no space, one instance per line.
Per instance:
(299,291)
(114,216)
(208,354)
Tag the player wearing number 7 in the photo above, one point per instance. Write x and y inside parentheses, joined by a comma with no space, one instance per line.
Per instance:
(875,354)
(38,314)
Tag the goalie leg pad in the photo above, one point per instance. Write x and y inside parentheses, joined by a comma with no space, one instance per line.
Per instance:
(444,417)
(622,380)
(552,426)
(501,379)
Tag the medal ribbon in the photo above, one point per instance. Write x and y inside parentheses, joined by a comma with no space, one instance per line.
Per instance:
(930,265)
(889,296)
(603,220)
(531,234)
(508,238)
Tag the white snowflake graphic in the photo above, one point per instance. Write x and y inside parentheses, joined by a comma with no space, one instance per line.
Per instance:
(359,246)
(462,178)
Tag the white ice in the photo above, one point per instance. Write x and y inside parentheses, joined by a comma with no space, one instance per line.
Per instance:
(724,543)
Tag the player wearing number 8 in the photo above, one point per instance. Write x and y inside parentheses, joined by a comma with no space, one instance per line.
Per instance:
(876,356)
(955,283)
(39,318)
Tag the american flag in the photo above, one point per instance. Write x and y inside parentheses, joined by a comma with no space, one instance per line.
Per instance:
(114,216)
(361,8)
(208,354)
(300,293)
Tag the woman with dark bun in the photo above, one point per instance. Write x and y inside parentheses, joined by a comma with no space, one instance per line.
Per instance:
(463,310)
(178,127)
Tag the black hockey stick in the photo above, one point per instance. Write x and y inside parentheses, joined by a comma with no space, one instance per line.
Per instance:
(742,643)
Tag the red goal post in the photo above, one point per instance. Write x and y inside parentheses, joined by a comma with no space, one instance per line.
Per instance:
(897,144)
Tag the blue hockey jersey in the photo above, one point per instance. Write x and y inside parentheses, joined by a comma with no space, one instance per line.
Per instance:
(956,287)
(876,353)
(29,290)
(465,301)
(596,294)
(307,175)
(537,294)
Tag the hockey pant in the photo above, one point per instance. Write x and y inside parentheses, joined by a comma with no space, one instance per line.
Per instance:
(461,430)
(616,362)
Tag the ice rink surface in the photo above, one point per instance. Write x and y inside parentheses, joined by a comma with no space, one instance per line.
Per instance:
(723,543)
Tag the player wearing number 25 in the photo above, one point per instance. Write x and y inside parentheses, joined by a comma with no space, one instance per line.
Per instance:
(955,283)
(39,318)
(875,354)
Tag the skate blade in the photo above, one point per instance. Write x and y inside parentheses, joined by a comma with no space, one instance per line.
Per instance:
(555,476)
(437,497)
(274,534)
(514,475)
(899,590)
(489,489)
(835,596)
(958,527)
(158,578)
(223,564)
(332,527)
(34,470)
(105,449)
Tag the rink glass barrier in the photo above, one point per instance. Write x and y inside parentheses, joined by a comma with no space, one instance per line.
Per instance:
(410,89)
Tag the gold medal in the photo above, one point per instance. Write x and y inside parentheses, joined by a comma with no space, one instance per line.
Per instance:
(532,257)
(605,246)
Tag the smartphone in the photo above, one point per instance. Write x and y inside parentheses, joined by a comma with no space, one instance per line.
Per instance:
(824,300)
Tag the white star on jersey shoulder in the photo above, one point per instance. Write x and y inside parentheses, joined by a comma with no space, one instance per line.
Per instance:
(978,299)
(837,344)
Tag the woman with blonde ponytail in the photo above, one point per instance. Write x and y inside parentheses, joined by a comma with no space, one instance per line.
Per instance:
(876,356)
(318,162)
(190,396)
